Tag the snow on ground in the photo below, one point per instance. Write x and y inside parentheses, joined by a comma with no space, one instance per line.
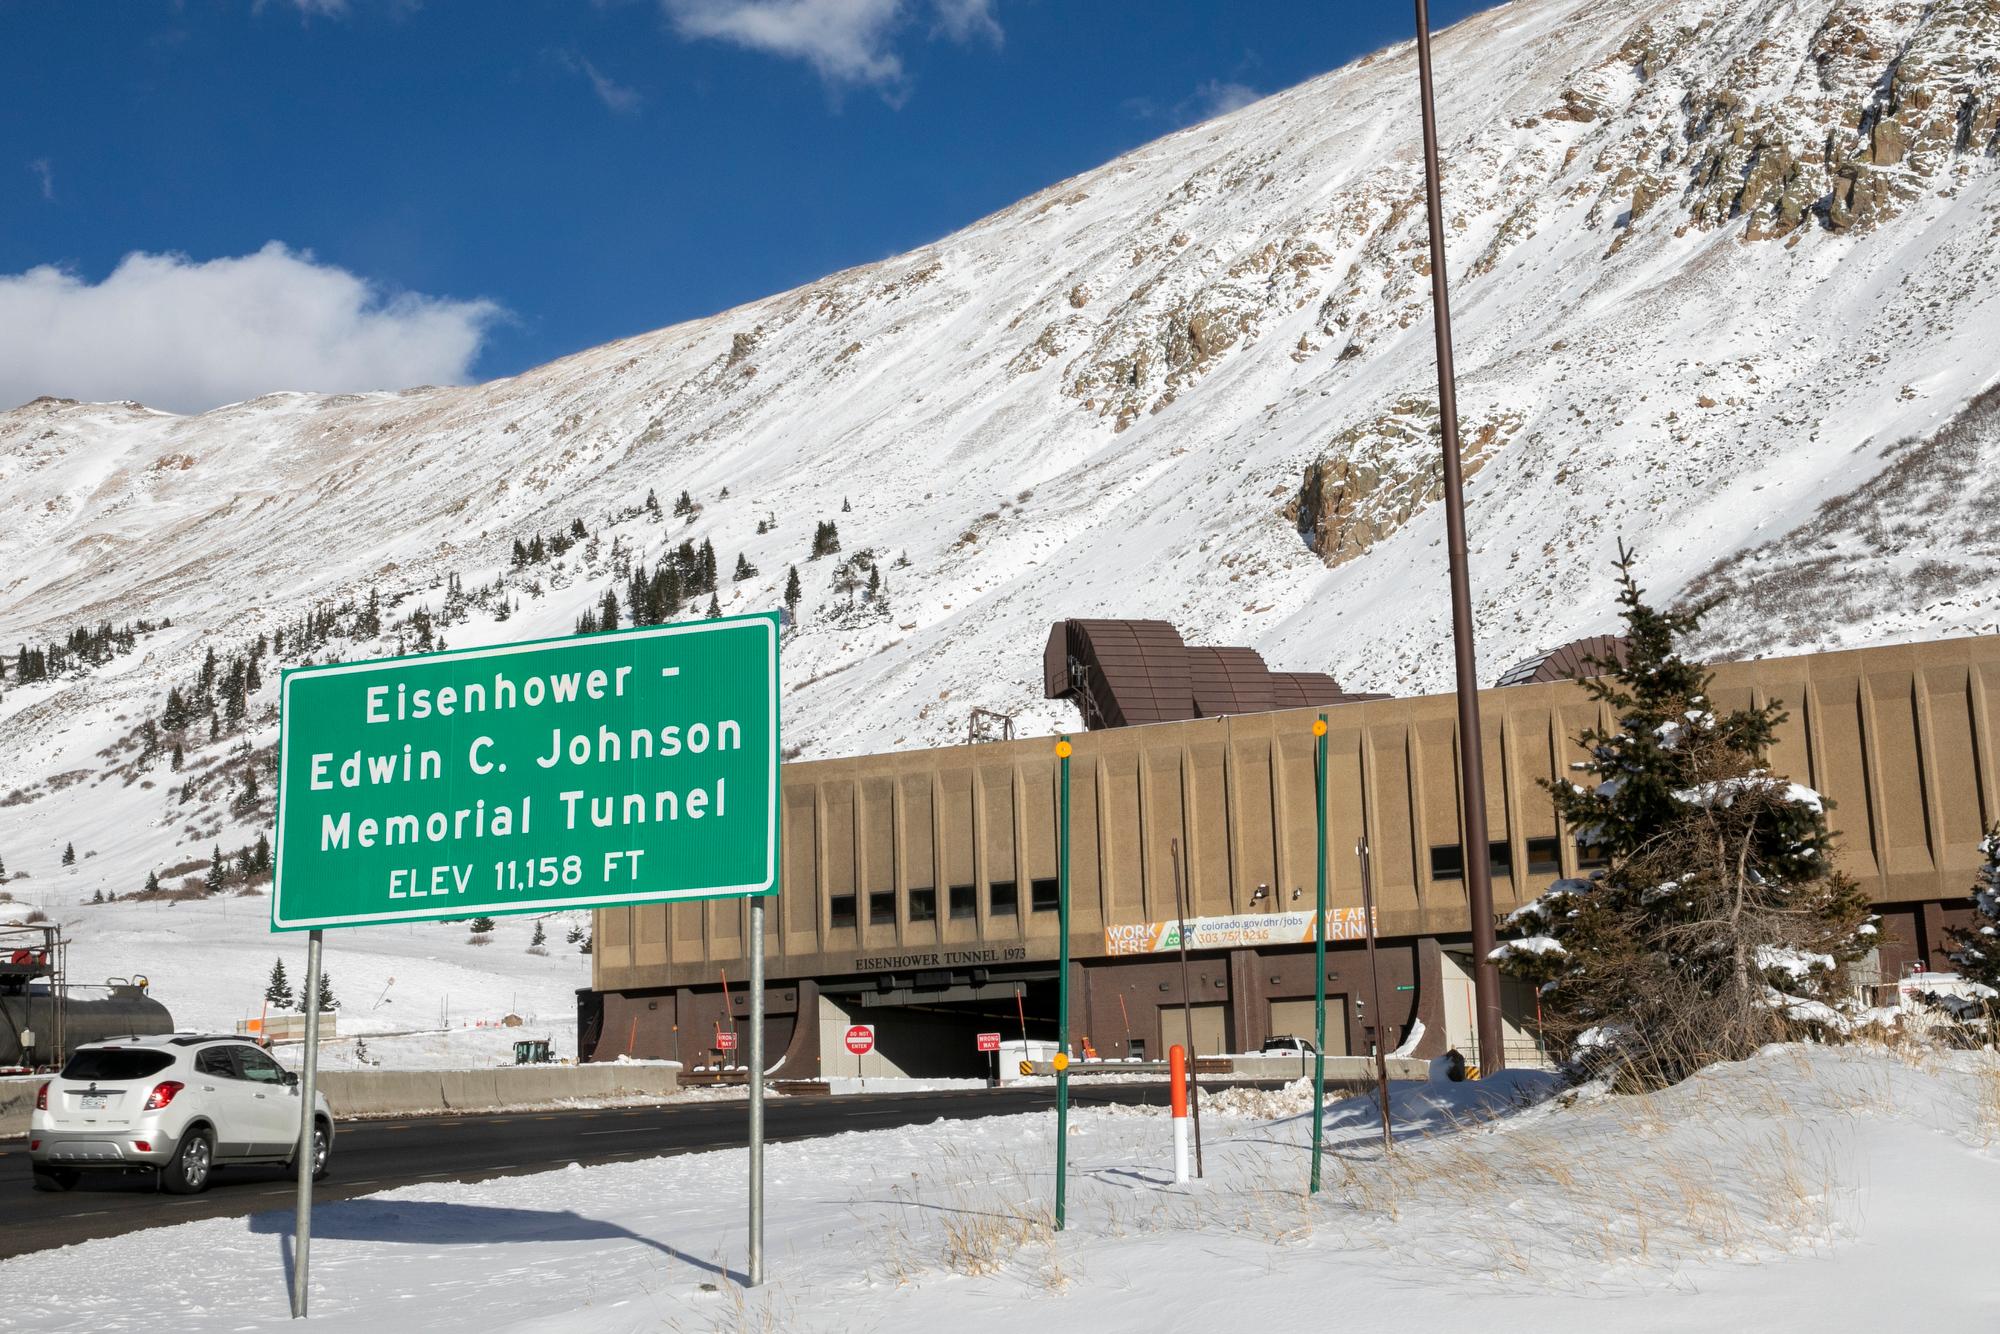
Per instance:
(419,994)
(1807,1189)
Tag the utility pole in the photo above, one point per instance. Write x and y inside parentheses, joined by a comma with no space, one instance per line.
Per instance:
(1471,756)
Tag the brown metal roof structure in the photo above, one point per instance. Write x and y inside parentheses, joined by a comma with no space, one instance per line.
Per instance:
(1577,660)
(1122,673)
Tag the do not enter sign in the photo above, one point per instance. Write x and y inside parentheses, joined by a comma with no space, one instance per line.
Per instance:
(861,1039)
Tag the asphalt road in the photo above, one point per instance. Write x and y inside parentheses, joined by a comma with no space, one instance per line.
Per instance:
(371,1156)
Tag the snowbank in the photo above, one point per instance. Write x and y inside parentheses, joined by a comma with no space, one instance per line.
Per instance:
(1804,1189)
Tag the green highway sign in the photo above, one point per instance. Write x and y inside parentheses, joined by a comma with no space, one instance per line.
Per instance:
(633,767)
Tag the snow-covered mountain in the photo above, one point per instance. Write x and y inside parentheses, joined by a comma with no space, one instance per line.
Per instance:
(1715,266)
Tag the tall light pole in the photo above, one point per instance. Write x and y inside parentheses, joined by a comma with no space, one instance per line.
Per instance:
(1471,753)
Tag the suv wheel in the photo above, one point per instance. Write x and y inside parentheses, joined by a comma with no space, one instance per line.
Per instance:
(56,1178)
(188,1172)
(322,1151)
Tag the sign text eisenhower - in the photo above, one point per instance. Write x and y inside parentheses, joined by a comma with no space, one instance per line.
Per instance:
(629,767)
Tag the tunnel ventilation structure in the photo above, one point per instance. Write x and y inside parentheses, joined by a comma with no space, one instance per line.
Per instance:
(1123,673)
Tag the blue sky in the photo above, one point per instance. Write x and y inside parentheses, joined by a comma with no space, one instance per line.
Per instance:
(465,189)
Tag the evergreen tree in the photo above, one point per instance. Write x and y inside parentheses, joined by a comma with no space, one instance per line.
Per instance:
(714,608)
(826,539)
(180,757)
(3,868)
(744,569)
(327,1000)
(685,505)
(577,530)
(278,991)
(247,799)
(541,936)
(97,896)
(218,872)
(583,947)
(152,882)
(607,612)
(1718,923)
(69,854)
(481,925)
(574,935)
(652,501)
(260,855)
(846,506)
(792,593)
(1977,946)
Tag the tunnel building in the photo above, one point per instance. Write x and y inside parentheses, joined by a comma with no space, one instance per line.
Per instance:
(919,889)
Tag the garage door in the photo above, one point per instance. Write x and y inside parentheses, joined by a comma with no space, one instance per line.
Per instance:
(1294,1018)
(1209,1027)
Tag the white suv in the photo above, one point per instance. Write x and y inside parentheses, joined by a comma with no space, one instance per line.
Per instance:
(178,1104)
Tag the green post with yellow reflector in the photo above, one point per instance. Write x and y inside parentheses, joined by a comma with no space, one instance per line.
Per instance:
(1319,951)
(1063,750)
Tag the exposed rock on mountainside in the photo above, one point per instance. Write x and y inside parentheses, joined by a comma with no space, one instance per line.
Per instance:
(1709,262)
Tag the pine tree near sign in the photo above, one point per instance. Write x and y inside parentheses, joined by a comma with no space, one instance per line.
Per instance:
(327,1000)
(1718,923)
(482,926)
(1977,946)
(278,991)
(574,935)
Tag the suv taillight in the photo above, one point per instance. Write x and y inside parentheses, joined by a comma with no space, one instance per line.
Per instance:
(162,1094)
(42,1097)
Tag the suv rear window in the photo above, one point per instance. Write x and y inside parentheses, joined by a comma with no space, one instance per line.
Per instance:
(115,1064)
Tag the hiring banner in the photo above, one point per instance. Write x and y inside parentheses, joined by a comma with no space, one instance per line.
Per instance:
(1240,931)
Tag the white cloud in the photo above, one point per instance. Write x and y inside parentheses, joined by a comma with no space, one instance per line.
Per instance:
(847,41)
(1218,98)
(621,99)
(963,20)
(182,335)
(45,175)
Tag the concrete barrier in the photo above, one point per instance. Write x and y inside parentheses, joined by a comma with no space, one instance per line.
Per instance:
(409,1092)
(415,1092)
(17,1101)
(1342,1072)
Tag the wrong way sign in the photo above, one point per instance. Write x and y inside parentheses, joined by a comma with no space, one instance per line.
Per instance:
(861,1039)
(989,1042)
(725,1042)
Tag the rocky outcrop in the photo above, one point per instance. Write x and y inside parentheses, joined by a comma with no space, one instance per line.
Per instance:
(1373,477)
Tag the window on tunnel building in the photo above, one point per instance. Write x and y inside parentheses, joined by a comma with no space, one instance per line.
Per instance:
(1544,856)
(840,911)
(1003,898)
(963,901)
(1045,894)
(881,907)
(923,903)
(1448,862)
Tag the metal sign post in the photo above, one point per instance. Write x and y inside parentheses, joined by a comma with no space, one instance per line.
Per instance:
(303,1154)
(584,772)
(756,1274)
(1063,749)
(1375,990)
(1319,951)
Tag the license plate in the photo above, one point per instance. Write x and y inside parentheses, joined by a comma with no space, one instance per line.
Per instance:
(93,1101)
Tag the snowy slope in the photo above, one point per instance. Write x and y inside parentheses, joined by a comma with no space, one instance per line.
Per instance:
(1711,263)
(1807,1189)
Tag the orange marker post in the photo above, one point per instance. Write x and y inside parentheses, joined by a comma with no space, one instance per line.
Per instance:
(1177,1072)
